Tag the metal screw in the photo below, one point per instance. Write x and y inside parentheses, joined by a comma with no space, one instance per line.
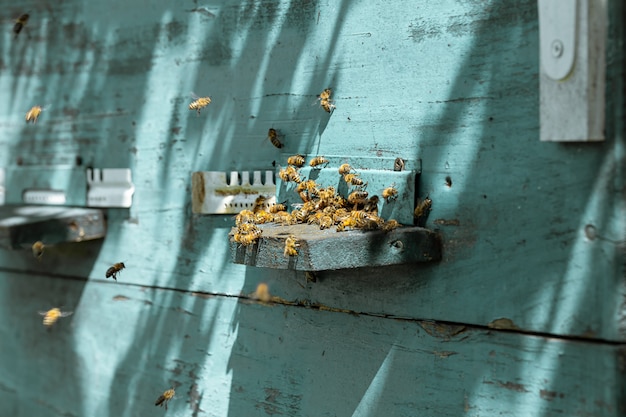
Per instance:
(557,48)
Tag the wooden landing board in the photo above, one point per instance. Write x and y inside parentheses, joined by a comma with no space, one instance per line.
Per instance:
(231,356)
(21,226)
(322,250)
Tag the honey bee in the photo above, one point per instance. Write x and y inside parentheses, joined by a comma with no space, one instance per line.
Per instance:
(246,228)
(353,179)
(33,114)
(325,100)
(389,225)
(423,207)
(297,160)
(301,215)
(291,243)
(372,205)
(345,169)
(259,203)
(398,164)
(318,160)
(20,22)
(263,216)
(249,238)
(51,316)
(390,193)
(262,293)
(340,215)
(272,135)
(348,222)
(37,249)
(277,208)
(326,222)
(165,398)
(244,216)
(114,270)
(289,174)
(357,197)
(199,103)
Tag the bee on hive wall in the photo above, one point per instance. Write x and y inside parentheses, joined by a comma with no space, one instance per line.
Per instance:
(357,197)
(114,270)
(37,249)
(296,160)
(199,103)
(259,204)
(289,174)
(345,169)
(325,101)
(421,211)
(272,135)
(353,179)
(51,316)
(390,224)
(318,160)
(33,114)
(291,245)
(390,193)
(165,398)
(20,22)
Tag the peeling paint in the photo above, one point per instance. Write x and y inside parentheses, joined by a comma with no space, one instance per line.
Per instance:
(503,324)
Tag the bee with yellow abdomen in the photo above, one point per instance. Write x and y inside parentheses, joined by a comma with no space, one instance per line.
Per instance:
(33,114)
(318,160)
(291,245)
(357,197)
(325,100)
(249,238)
(345,169)
(297,161)
(390,193)
(114,270)
(37,249)
(244,216)
(353,179)
(199,103)
(326,222)
(277,207)
(350,222)
(20,22)
(262,293)
(272,136)
(289,174)
(259,203)
(390,224)
(51,316)
(263,216)
(165,398)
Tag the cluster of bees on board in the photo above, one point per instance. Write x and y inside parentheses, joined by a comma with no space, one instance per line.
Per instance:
(321,206)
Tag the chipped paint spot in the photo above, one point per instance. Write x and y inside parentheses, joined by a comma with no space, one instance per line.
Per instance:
(550,395)
(444,331)
(120,298)
(444,354)
(503,324)
(513,386)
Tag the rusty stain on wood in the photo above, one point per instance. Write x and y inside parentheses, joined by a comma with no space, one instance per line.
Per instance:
(513,386)
(550,395)
(440,330)
(197,191)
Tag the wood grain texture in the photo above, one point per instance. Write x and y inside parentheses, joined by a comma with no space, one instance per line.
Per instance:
(124,345)
(533,233)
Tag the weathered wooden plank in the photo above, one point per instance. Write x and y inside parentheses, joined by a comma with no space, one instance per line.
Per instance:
(225,355)
(323,250)
(21,226)
(455,82)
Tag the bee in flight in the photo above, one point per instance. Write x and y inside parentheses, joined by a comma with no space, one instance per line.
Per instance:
(114,270)
(262,293)
(325,100)
(37,249)
(199,103)
(51,316)
(165,398)
(272,136)
(33,114)
(20,22)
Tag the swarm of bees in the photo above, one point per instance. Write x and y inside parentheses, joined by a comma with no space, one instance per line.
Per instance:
(321,206)
(165,398)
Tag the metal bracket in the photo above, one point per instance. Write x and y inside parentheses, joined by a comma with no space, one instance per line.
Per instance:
(557,36)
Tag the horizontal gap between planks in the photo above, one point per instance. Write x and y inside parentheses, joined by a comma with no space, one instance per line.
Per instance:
(321,307)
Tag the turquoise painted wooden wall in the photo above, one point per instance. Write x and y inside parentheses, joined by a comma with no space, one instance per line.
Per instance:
(523,316)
